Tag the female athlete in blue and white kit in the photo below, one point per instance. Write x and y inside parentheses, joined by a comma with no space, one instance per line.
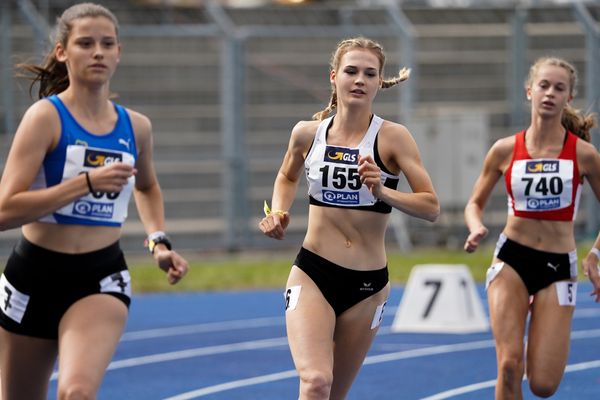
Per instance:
(75,160)
(338,285)
(544,167)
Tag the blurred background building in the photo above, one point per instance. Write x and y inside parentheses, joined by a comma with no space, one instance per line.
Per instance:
(225,81)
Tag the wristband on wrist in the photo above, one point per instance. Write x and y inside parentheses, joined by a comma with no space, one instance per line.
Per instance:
(88,181)
(595,251)
(267,210)
(155,238)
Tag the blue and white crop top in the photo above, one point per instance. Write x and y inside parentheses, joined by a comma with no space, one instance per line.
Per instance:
(332,171)
(78,151)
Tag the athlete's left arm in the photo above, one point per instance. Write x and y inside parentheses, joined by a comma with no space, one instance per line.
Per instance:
(399,153)
(149,200)
(588,160)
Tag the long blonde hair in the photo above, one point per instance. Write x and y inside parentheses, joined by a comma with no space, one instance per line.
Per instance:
(344,47)
(52,74)
(574,120)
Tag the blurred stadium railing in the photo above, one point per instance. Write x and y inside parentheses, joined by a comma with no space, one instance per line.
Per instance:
(224,85)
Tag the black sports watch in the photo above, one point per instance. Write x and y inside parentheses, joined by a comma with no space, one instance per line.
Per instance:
(155,238)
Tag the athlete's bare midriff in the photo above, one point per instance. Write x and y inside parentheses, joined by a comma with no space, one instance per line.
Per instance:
(544,235)
(350,238)
(70,239)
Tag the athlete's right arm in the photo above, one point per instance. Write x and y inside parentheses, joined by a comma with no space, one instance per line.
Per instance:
(493,167)
(37,135)
(288,177)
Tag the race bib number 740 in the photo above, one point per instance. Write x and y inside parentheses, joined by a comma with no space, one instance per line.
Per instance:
(542,185)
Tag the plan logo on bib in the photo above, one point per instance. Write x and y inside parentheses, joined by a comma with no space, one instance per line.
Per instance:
(93,209)
(543,204)
(339,197)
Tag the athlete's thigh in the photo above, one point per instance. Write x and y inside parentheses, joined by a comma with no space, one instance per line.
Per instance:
(310,322)
(508,301)
(357,326)
(354,333)
(549,334)
(26,365)
(88,336)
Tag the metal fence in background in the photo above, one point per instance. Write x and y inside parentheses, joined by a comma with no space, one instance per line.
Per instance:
(224,87)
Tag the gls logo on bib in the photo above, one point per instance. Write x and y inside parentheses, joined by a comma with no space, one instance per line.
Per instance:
(341,155)
(540,167)
(98,158)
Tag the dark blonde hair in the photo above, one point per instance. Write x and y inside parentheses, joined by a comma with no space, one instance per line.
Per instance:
(344,47)
(574,120)
(52,74)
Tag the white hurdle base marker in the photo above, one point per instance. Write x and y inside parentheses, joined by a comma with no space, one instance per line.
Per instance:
(440,298)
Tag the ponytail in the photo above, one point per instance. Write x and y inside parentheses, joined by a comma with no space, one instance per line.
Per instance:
(52,76)
(579,123)
(321,115)
(401,77)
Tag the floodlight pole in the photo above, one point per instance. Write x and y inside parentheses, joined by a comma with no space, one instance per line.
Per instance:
(235,171)
(517,73)
(40,28)
(37,22)
(408,58)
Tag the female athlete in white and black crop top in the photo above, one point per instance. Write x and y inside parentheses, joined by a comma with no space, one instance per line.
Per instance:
(332,171)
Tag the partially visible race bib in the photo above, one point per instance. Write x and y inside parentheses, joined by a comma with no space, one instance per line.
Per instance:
(97,206)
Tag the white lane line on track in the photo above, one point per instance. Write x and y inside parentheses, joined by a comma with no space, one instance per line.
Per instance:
(202,328)
(260,323)
(588,333)
(428,351)
(462,390)
(369,360)
(227,348)
(190,353)
(491,383)
(235,384)
(586,312)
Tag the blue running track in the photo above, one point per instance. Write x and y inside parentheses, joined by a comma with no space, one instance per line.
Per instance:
(232,345)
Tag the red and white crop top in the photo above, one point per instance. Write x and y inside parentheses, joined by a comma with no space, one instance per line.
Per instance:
(544,188)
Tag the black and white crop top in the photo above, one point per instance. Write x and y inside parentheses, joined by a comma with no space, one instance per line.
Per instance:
(332,171)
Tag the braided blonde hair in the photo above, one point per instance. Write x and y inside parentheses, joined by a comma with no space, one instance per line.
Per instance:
(344,47)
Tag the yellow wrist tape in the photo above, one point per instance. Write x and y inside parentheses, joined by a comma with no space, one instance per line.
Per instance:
(268,210)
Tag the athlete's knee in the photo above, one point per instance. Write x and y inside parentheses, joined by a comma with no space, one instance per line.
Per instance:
(542,387)
(76,391)
(510,369)
(315,384)
(544,379)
